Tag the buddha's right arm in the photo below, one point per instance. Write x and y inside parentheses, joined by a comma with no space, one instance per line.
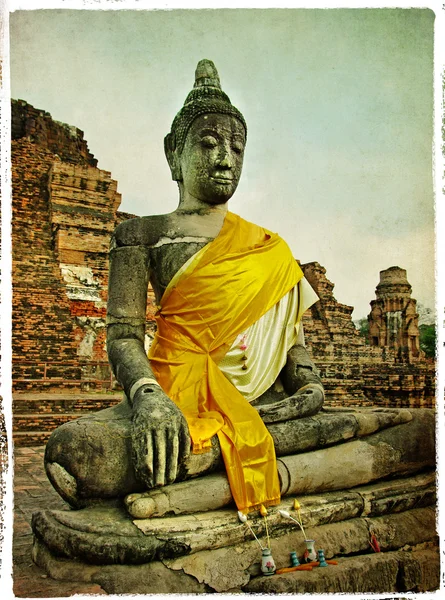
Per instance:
(159,435)
(127,299)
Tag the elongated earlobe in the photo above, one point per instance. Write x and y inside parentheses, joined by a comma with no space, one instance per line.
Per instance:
(172,157)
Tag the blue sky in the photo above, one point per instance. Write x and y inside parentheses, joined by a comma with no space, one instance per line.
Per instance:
(338,103)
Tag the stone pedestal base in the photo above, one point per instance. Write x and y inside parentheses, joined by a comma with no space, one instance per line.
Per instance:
(416,569)
(214,552)
(367,474)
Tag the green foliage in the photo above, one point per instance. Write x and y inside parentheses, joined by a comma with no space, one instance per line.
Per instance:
(427,339)
(363,328)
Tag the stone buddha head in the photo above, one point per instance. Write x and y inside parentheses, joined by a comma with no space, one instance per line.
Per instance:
(205,147)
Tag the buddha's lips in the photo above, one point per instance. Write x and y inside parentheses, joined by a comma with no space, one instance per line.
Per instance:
(222,179)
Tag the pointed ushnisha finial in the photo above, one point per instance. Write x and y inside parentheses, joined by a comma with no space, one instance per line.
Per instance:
(206,74)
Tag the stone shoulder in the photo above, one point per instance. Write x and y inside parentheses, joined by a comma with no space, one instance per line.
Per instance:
(140,231)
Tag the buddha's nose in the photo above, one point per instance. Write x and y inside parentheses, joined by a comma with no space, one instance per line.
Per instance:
(224,159)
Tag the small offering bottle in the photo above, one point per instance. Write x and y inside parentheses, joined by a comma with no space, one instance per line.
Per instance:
(267,562)
(312,555)
(322,559)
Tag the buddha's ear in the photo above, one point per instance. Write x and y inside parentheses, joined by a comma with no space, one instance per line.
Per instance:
(172,157)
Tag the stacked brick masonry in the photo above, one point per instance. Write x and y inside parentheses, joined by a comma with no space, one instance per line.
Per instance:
(38,127)
(42,324)
(393,321)
(36,415)
(83,205)
(353,372)
(407,385)
(64,210)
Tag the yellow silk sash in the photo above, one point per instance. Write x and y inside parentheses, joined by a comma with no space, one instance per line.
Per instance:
(237,278)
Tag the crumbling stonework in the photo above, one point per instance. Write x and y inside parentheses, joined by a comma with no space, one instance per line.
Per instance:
(393,321)
(335,344)
(83,202)
(353,372)
(64,210)
(42,324)
(37,126)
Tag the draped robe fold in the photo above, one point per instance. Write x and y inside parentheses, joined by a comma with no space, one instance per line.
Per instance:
(226,288)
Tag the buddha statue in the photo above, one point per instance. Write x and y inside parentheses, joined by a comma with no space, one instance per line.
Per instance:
(228,357)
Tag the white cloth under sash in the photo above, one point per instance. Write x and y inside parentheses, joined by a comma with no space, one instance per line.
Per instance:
(268,341)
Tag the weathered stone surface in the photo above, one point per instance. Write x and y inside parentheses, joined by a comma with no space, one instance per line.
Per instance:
(399,450)
(97,535)
(316,511)
(352,536)
(346,538)
(407,528)
(398,495)
(419,570)
(149,578)
(374,573)
(332,426)
(393,321)
(97,451)
(106,434)
(222,569)
(238,567)
(107,535)
(403,449)
(173,498)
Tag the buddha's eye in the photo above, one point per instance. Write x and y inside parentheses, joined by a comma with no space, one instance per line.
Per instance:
(237,147)
(209,141)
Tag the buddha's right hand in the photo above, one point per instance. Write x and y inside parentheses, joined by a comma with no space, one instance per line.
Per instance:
(160,437)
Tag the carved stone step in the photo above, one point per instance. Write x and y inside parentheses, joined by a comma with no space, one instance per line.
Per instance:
(238,566)
(107,534)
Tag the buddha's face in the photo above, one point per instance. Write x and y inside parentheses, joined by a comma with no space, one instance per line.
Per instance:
(212,158)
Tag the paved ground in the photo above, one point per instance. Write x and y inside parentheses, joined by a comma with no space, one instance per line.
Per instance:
(33,491)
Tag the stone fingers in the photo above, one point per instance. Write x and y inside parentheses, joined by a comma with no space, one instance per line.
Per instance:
(178,450)
(160,438)
(167,455)
(139,445)
(313,395)
(172,458)
(159,449)
(148,459)
(306,402)
(185,442)
(278,412)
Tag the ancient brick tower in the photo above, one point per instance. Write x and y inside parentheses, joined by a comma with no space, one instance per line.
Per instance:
(393,321)
(63,212)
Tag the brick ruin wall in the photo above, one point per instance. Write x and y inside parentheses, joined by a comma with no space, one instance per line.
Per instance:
(64,211)
(353,372)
